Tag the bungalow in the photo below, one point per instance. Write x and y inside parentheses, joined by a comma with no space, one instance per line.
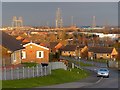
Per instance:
(33,52)
(99,52)
(11,49)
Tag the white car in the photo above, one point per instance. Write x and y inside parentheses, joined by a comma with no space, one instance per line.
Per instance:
(104,72)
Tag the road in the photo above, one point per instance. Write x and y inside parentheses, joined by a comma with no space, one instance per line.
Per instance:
(111,82)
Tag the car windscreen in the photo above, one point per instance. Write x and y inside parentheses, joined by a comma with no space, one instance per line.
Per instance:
(103,70)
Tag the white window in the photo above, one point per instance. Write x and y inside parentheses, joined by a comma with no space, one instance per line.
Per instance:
(23,54)
(39,54)
(13,57)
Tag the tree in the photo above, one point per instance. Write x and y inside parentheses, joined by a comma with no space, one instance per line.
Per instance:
(117,44)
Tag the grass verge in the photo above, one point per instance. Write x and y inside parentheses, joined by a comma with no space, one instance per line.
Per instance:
(57,77)
(99,60)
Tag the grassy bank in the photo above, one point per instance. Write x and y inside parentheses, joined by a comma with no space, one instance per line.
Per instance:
(58,76)
(99,60)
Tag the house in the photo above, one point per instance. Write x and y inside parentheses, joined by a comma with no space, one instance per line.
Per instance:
(99,52)
(52,46)
(115,54)
(11,49)
(33,52)
(84,52)
(71,50)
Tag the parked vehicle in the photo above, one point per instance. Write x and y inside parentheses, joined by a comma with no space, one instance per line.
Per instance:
(104,72)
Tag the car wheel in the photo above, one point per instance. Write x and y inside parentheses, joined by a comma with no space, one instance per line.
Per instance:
(108,76)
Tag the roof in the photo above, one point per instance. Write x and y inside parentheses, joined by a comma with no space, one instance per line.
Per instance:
(10,42)
(19,38)
(53,44)
(118,50)
(25,41)
(69,48)
(35,45)
(58,46)
(81,46)
(100,49)
(44,44)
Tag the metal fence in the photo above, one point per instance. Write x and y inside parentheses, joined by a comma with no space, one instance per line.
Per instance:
(25,72)
(58,65)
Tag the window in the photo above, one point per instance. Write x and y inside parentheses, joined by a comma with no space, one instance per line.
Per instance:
(39,54)
(13,56)
(23,55)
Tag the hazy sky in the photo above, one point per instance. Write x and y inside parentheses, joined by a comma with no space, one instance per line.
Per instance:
(39,13)
(60,0)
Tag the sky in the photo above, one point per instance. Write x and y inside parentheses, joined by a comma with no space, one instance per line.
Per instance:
(41,13)
(60,0)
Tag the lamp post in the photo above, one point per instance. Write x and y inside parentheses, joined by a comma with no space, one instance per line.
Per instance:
(79,56)
(79,61)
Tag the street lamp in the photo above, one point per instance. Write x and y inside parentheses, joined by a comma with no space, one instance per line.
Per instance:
(79,61)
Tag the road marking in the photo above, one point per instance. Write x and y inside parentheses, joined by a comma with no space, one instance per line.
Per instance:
(99,80)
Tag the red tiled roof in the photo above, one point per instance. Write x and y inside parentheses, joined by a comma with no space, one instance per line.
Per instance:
(25,41)
(58,46)
(19,38)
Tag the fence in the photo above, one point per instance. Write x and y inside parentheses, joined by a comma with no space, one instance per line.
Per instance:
(58,65)
(25,72)
(113,64)
(30,72)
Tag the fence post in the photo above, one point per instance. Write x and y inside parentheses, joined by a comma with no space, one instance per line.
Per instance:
(33,71)
(41,69)
(37,70)
(72,65)
(11,73)
(50,68)
(28,71)
(5,73)
(17,72)
(23,72)
(45,71)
